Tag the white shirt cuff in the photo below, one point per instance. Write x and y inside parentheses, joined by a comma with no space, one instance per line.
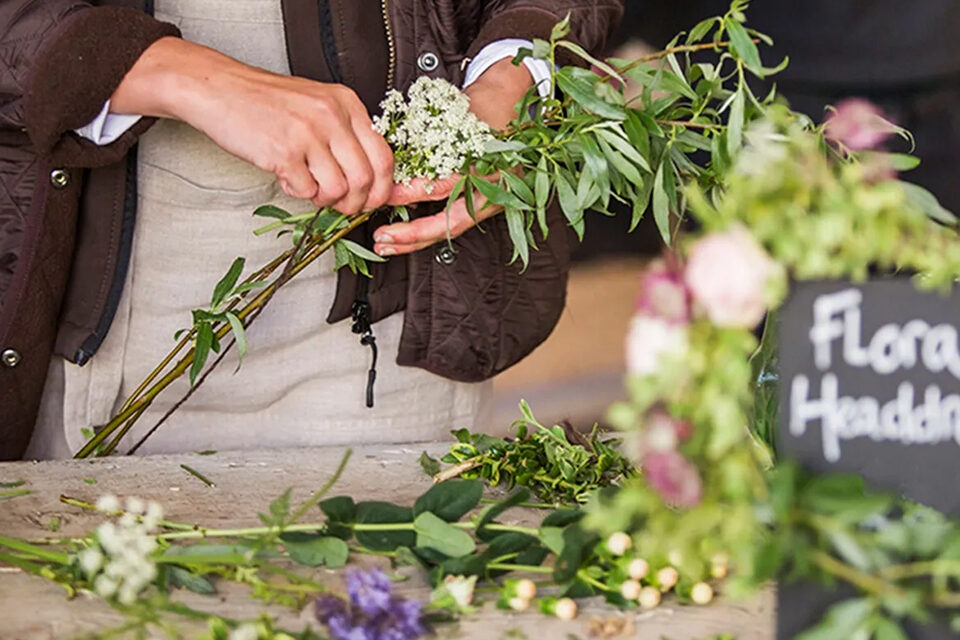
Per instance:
(107,127)
(508,48)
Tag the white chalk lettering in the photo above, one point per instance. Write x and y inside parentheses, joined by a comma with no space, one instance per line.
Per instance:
(901,419)
(837,317)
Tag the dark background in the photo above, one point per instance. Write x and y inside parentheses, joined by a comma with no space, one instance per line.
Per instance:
(902,54)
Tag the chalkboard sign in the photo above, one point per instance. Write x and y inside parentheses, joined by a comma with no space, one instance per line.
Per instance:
(870,384)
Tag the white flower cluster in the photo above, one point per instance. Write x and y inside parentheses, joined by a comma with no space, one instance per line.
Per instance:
(119,563)
(432,132)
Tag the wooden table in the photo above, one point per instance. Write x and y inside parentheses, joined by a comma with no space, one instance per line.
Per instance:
(31,608)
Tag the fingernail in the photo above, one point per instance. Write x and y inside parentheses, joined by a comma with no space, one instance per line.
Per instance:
(385,238)
(386,251)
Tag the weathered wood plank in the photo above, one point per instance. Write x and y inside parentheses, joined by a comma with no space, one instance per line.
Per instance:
(245,483)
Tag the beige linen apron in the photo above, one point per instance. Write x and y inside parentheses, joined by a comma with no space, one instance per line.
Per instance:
(302,382)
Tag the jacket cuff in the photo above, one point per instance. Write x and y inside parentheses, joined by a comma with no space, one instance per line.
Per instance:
(526,23)
(80,66)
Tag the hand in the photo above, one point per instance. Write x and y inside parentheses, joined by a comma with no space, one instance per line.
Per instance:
(492,98)
(315,137)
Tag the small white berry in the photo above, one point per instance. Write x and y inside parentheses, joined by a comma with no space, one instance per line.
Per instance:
(649,597)
(667,577)
(518,604)
(525,589)
(630,589)
(618,543)
(565,609)
(638,568)
(702,593)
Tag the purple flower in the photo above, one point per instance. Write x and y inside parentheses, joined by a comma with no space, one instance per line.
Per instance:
(372,613)
(663,294)
(858,125)
(673,477)
(369,590)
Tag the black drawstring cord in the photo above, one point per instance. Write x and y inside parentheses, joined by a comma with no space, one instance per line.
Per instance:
(361,326)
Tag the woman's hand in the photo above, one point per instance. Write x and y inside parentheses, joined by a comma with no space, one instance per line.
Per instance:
(493,99)
(315,137)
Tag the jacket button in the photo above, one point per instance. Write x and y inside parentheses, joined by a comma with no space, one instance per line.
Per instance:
(428,61)
(10,358)
(59,178)
(445,255)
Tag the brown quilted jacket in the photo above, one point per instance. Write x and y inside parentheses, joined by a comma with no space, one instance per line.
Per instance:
(67,207)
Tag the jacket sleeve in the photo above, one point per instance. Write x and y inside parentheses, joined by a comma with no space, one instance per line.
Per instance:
(60,60)
(591,22)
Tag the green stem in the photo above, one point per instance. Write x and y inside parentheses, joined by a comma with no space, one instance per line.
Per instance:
(527,505)
(15,493)
(919,569)
(593,581)
(205,559)
(248,532)
(83,504)
(523,568)
(322,491)
(14,561)
(37,552)
(181,367)
(864,581)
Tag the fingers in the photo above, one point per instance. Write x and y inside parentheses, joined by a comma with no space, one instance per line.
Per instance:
(422,190)
(406,237)
(330,185)
(297,180)
(356,167)
(380,157)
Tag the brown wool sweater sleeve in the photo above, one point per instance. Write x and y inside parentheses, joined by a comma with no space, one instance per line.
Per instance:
(60,60)
(591,23)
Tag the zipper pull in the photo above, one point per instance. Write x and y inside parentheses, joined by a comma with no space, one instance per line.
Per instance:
(361,326)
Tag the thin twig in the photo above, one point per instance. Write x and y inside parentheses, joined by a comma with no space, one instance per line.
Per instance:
(457,469)
(199,476)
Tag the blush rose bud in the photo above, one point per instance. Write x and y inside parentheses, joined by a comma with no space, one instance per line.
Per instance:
(701,593)
(638,568)
(565,609)
(618,543)
(649,597)
(667,578)
(526,589)
(631,589)
(518,604)
(718,566)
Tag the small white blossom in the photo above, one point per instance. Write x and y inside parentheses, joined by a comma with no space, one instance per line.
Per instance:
(245,632)
(120,564)
(432,132)
(108,502)
(91,560)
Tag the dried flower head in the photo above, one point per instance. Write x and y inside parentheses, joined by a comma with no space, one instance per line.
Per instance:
(432,132)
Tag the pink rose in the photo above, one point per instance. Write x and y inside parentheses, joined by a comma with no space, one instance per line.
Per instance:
(663,294)
(662,432)
(858,125)
(674,477)
(728,273)
(651,339)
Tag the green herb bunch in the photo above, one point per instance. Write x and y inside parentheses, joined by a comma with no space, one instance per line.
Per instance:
(559,465)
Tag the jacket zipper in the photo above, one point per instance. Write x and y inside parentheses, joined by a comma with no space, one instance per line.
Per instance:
(363,328)
(392,57)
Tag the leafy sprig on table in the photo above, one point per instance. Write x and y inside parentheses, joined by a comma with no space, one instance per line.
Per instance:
(558,465)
